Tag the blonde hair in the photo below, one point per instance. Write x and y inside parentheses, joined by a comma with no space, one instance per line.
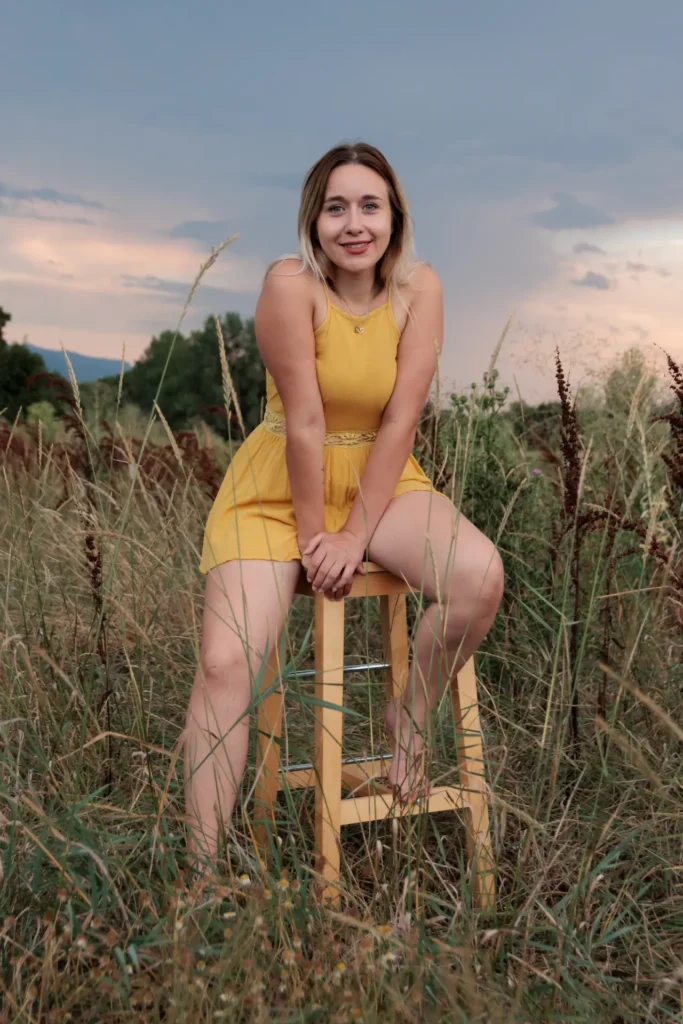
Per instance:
(398,262)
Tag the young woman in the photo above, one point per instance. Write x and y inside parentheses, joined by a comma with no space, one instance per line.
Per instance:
(349,331)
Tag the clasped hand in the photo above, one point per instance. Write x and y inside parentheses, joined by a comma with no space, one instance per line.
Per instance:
(330,561)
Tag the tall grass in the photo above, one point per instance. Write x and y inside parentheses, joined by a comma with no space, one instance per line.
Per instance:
(580,684)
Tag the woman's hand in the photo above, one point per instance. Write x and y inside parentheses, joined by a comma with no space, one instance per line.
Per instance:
(331,560)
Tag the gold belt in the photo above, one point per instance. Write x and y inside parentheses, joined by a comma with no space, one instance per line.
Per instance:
(341,439)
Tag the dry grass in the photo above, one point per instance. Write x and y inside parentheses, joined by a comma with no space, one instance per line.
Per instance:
(581,692)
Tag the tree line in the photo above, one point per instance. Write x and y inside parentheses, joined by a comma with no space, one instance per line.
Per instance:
(192,387)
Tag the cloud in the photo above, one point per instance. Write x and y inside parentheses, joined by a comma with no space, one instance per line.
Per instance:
(587,247)
(569,213)
(169,290)
(591,280)
(641,268)
(47,195)
(155,284)
(24,214)
(210,232)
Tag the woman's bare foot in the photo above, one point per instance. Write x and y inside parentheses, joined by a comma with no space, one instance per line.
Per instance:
(406,773)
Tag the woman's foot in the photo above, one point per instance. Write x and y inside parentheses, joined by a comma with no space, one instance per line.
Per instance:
(406,772)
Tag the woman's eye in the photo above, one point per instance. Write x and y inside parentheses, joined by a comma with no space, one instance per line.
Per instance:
(331,209)
(373,205)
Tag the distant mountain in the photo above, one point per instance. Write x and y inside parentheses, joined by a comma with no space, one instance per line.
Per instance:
(86,368)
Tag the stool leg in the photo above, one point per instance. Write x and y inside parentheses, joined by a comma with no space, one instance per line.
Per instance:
(329,687)
(269,729)
(395,642)
(471,761)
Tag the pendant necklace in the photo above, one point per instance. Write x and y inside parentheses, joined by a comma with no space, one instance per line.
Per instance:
(359,328)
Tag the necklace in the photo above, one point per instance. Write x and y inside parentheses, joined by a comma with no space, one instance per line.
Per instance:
(359,329)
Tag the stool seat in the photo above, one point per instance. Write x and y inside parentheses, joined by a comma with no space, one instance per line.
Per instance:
(368,798)
(376,583)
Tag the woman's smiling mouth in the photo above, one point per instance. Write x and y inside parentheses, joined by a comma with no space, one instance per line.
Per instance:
(356,248)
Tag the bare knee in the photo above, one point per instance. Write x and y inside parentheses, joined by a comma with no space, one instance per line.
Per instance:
(493,584)
(225,671)
(476,593)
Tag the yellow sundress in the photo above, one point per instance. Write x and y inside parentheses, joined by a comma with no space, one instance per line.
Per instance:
(253,515)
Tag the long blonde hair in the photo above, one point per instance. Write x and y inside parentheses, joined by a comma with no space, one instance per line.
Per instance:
(399,261)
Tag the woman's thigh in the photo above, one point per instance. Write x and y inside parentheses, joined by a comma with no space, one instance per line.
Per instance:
(425,540)
(246,606)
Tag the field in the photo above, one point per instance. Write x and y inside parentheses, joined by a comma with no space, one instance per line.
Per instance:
(580,683)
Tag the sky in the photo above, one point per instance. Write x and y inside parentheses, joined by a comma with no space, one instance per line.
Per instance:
(540,146)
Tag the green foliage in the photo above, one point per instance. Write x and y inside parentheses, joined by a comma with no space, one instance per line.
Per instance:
(193,387)
(44,413)
(4,320)
(17,366)
(192,390)
(474,453)
(101,609)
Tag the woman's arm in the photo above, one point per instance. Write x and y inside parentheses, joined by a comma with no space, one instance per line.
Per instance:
(421,343)
(283,323)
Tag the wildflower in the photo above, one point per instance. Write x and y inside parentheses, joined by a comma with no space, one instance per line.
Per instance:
(288,956)
(536,472)
(258,921)
(201,965)
(244,881)
(267,893)
(229,915)
(389,959)
(179,925)
(283,884)
(228,996)
(384,929)
(288,904)
(340,968)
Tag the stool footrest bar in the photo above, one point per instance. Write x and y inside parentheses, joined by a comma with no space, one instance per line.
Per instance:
(356,771)
(385,805)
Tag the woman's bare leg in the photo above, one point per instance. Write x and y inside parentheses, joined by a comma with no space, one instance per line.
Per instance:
(245,609)
(423,539)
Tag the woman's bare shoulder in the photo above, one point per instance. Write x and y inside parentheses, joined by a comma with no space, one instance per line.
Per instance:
(290,268)
(422,278)
(288,290)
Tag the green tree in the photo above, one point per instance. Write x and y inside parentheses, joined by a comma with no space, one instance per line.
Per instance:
(17,365)
(193,382)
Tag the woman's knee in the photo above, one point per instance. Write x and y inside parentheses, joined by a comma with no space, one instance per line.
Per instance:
(227,666)
(476,590)
(493,582)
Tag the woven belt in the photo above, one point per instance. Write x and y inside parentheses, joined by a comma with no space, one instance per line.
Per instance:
(341,439)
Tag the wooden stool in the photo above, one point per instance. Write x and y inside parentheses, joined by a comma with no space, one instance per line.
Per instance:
(370,800)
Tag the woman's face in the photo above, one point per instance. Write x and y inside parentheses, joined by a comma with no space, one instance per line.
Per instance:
(354,225)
